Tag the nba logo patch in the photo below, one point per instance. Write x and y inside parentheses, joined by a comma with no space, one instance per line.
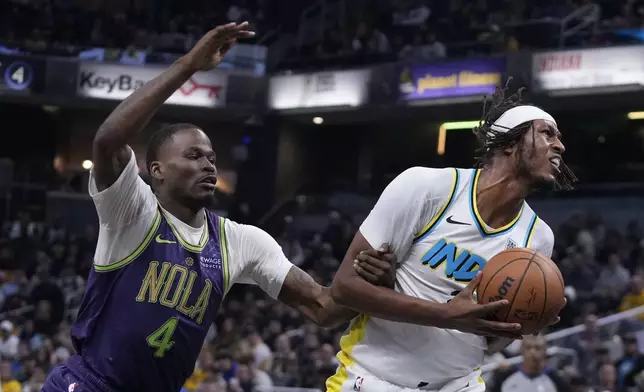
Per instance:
(72,387)
(511,244)
(358,384)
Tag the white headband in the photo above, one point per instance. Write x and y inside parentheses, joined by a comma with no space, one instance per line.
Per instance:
(519,115)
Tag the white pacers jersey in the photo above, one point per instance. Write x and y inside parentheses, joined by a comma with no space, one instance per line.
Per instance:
(430,218)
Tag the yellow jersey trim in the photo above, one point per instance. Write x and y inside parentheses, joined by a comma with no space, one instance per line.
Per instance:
(436,218)
(347,343)
(188,246)
(137,252)
(223,246)
(480,223)
(529,235)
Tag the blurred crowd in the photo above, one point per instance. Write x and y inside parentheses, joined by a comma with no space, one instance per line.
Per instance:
(363,32)
(430,30)
(64,27)
(258,344)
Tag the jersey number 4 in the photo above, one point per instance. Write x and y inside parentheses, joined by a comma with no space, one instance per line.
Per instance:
(161,339)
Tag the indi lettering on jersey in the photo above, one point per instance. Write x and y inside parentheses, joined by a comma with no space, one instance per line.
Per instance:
(157,286)
(460,264)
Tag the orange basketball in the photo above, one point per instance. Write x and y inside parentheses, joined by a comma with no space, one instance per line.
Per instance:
(530,281)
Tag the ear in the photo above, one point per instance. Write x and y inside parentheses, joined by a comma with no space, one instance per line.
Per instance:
(510,149)
(156,170)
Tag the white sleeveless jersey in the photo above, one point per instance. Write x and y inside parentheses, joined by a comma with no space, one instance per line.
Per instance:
(429,216)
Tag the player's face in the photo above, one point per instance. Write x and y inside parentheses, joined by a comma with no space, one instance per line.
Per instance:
(540,152)
(187,164)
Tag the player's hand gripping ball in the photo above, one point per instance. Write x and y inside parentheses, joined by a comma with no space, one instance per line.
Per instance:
(530,281)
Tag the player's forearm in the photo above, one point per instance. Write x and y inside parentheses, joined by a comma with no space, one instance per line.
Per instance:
(131,115)
(354,293)
(331,313)
(300,291)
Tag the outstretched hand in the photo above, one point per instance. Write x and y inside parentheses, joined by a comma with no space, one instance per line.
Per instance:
(463,313)
(212,47)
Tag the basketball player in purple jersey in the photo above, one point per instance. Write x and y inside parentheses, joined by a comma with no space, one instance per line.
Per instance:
(163,262)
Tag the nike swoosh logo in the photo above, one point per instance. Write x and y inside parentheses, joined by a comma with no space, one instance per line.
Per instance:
(450,220)
(160,240)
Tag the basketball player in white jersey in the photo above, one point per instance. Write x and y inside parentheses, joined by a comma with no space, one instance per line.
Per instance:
(443,224)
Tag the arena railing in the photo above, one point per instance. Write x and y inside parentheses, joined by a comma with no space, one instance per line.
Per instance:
(604,321)
(16,312)
(555,350)
(551,352)
(582,19)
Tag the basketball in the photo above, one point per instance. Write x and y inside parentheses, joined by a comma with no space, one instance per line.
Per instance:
(530,281)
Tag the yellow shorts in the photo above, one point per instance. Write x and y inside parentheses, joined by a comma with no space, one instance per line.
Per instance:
(356,379)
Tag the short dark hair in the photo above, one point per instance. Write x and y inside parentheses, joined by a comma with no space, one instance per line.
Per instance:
(159,138)
(492,141)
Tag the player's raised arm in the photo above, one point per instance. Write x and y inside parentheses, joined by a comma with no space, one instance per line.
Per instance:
(110,151)
(400,213)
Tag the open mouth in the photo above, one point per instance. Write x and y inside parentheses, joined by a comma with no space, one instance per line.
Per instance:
(556,162)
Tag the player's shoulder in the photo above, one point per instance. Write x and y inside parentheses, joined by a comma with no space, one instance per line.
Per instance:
(232,228)
(543,229)
(542,238)
(422,172)
(429,181)
(236,232)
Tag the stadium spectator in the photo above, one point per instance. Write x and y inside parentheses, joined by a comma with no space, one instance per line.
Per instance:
(8,382)
(635,296)
(579,273)
(533,374)
(612,277)
(211,384)
(631,363)
(579,384)
(607,378)
(262,355)
(8,341)
(204,367)
(250,379)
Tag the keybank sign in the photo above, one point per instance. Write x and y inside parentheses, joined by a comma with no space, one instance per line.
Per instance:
(111,81)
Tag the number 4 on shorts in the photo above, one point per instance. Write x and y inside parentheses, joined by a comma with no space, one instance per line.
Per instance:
(161,339)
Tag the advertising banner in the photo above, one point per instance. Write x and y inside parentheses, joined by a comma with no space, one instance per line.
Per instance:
(111,81)
(337,88)
(451,79)
(588,68)
(241,57)
(22,74)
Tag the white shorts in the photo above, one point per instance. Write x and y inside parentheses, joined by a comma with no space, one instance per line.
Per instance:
(356,379)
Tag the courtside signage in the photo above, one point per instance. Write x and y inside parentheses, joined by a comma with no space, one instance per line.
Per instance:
(337,88)
(589,68)
(111,81)
(451,79)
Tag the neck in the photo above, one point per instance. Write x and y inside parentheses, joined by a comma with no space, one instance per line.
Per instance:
(533,369)
(499,196)
(188,215)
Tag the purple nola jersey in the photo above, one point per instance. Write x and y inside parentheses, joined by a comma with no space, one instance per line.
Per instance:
(143,320)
